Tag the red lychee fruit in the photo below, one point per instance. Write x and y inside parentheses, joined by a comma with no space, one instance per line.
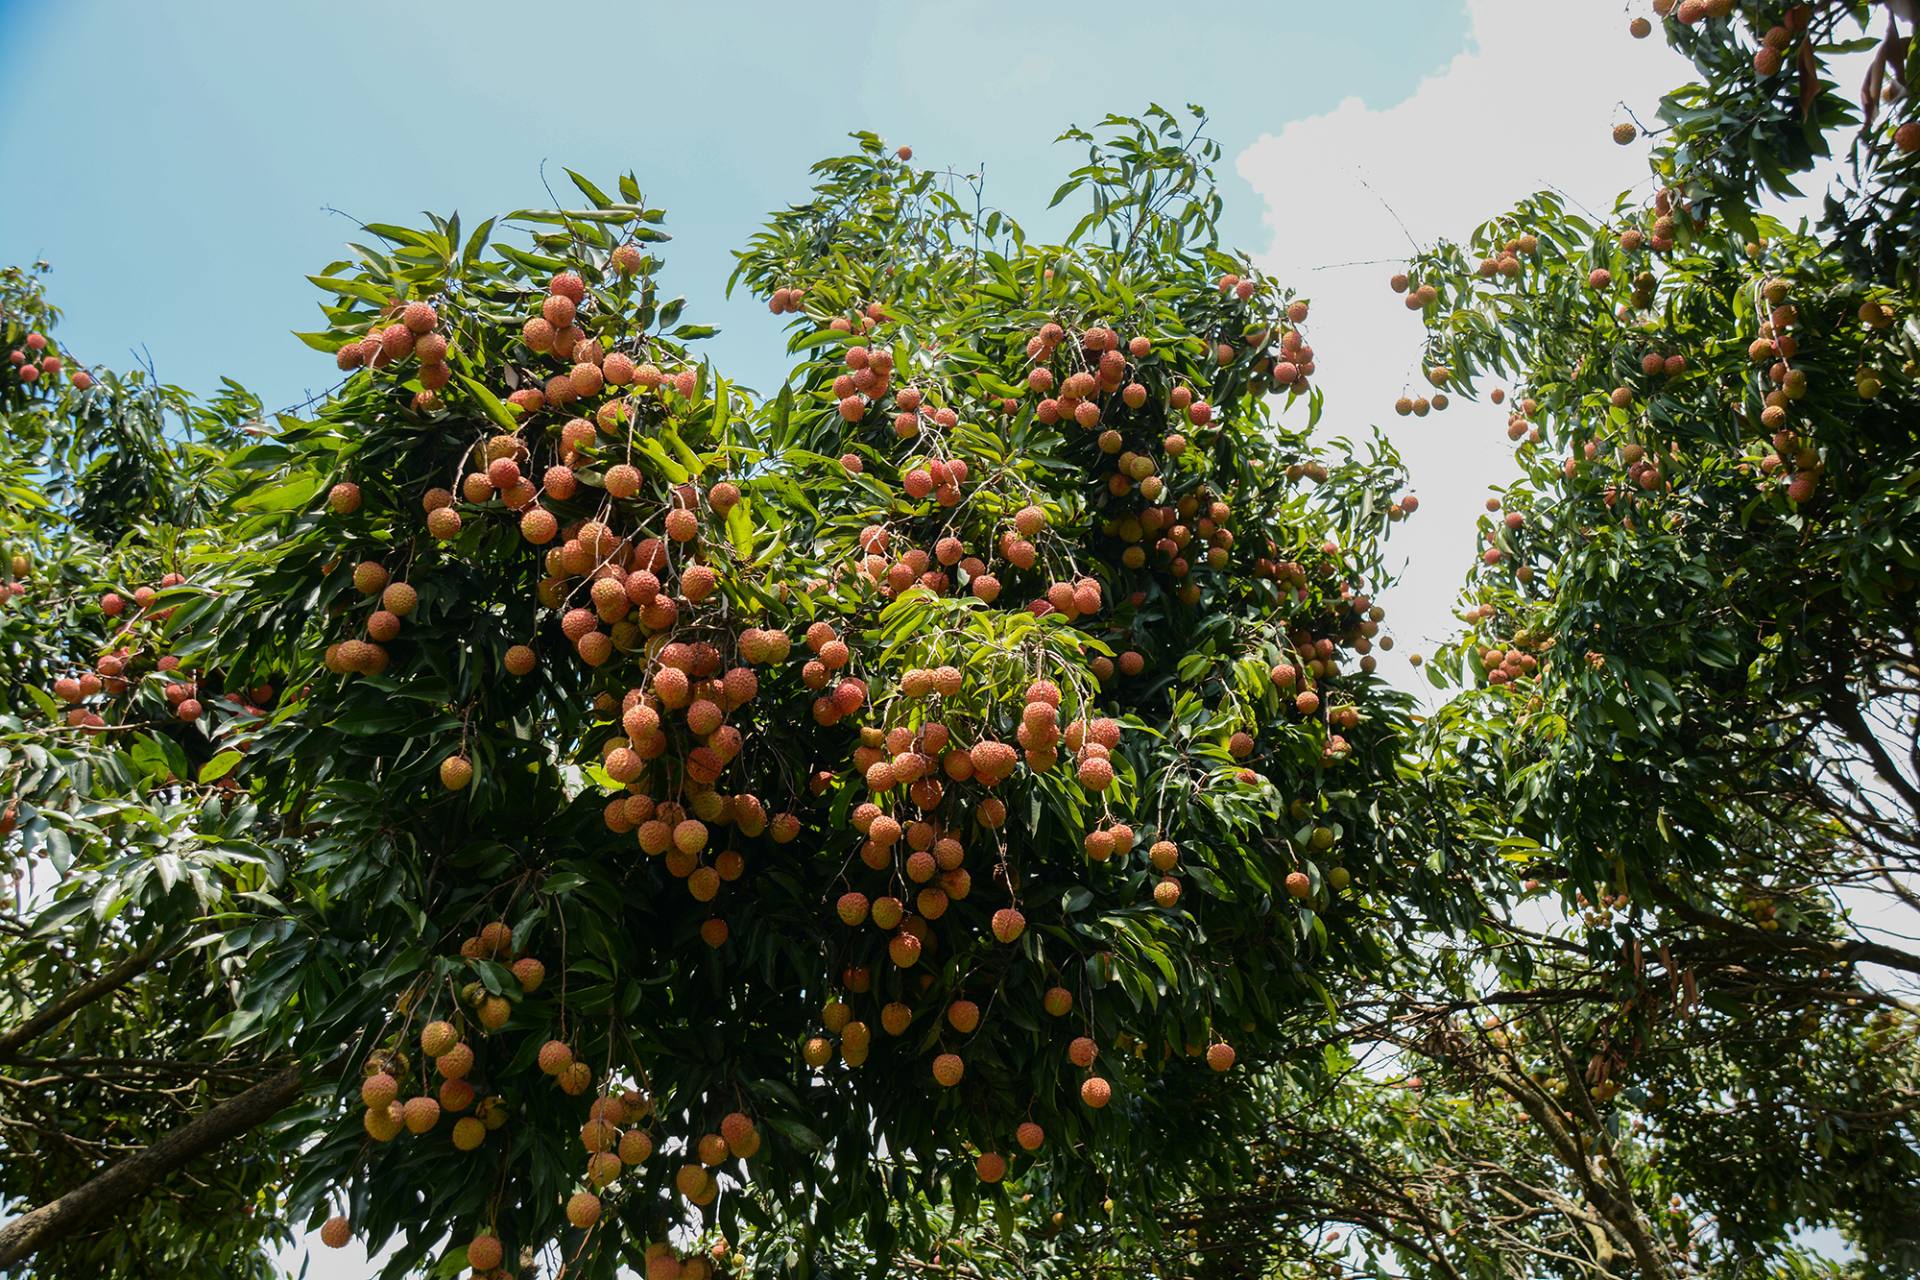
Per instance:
(419,318)
(583,1209)
(1008,924)
(377,1090)
(420,1114)
(484,1253)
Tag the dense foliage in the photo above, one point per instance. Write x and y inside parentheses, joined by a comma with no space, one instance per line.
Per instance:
(545,807)
(114,979)
(1692,628)
(582,871)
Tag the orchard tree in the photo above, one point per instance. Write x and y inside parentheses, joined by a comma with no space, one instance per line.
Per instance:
(943,816)
(121,848)
(689,819)
(1541,1124)
(1691,633)
(1700,598)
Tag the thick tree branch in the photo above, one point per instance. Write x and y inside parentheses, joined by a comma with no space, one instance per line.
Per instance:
(1823,950)
(109,1193)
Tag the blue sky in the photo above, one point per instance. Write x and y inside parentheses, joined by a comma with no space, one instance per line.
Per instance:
(175,161)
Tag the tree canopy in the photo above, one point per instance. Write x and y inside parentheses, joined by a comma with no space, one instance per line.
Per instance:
(545,807)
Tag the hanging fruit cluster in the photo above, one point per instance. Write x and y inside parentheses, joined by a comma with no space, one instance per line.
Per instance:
(875,758)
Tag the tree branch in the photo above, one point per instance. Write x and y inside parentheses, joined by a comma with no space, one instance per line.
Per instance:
(109,1193)
(60,1008)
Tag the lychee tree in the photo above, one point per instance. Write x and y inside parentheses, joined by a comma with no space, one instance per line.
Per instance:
(942,812)
(1690,629)
(1476,1130)
(1700,594)
(36,370)
(693,810)
(119,845)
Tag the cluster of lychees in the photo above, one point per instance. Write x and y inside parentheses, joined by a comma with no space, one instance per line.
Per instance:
(135,645)
(1776,41)
(912,841)
(1777,347)
(613,585)
(616,1134)
(393,602)
(412,332)
(443,1043)
(36,362)
(1419,406)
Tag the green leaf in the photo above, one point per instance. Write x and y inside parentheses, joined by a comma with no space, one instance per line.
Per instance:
(220,766)
(489,403)
(740,530)
(477,243)
(297,492)
(591,192)
(798,1134)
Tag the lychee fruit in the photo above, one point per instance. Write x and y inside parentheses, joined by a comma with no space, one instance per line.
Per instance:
(437,1038)
(555,1057)
(456,772)
(420,1114)
(1008,924)
(377,1090)
(583,1209)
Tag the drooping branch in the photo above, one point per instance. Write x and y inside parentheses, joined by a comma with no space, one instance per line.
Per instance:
(1845,713)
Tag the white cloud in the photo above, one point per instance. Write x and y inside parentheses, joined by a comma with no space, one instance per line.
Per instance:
(322,1263)
(1529,105)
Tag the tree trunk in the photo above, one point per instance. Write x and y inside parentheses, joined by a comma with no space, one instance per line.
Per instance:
(110,1192)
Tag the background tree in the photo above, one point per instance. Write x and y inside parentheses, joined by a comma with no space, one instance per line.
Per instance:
(1692,627)
(123,849)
